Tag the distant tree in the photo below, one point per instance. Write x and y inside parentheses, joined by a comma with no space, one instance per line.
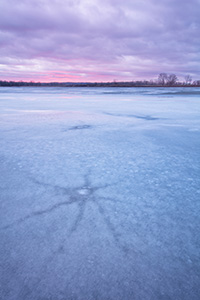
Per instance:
(196,82)
(188,79)
(171,79)
(162,78)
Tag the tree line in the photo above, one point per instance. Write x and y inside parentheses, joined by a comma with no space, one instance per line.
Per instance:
(172,79)
(163,79)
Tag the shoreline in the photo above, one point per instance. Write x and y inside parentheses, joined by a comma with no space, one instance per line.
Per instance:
(94,85)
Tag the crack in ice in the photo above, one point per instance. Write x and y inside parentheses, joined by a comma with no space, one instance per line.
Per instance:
(81,196)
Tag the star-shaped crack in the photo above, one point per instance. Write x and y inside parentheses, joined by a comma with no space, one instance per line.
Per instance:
(81,196)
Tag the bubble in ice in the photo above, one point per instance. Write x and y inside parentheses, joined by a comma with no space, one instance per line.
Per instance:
(84,191)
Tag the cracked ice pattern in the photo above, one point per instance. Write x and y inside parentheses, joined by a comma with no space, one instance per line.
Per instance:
(99,194)
(80,196)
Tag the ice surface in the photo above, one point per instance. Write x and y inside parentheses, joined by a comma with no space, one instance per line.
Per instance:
(100,193)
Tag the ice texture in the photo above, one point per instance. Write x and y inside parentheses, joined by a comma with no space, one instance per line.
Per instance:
(99,193)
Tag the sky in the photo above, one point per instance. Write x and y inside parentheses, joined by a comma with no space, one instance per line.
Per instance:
(98,40)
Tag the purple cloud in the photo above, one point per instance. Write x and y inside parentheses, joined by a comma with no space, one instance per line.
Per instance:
(97,40)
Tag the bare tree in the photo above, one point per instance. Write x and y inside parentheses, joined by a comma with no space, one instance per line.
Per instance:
(171,79)
(162,78)
(188,79)
(196,82)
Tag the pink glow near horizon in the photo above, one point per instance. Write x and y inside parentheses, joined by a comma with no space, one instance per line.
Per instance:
(93,40)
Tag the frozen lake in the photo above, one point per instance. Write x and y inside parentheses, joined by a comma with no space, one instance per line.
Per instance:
(100,193)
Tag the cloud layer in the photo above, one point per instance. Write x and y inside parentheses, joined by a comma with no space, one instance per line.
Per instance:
(98,40)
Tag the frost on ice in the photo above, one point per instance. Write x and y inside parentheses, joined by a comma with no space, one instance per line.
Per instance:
(99,193)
